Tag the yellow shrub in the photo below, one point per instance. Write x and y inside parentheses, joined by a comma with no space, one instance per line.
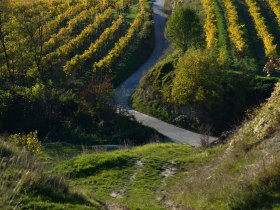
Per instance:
(235,30)
(30,141)
(275,6)
(262,30)
(210,25)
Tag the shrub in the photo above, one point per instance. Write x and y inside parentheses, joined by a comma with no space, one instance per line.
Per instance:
(199,79)
(30,141)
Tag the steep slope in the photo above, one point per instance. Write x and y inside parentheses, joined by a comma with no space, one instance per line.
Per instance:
(25,183)
(243,174)
(246,175)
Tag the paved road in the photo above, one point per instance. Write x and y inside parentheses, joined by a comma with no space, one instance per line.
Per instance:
(126,89)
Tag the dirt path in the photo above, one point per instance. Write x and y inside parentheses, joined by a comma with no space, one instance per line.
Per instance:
(126,89)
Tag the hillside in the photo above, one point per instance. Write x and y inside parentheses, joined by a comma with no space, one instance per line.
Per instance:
(62,59)
(73,73)
(246,175)
(242,174)
(216,74)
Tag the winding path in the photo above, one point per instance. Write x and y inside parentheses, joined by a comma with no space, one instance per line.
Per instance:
(125,90)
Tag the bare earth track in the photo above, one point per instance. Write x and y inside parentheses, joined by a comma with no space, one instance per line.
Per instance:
(125,90)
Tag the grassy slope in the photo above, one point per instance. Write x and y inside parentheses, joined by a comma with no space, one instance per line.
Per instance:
(247,174)
(135,175)
(223,37)
(242,174)
(25,183)
(152,95)
(66,176)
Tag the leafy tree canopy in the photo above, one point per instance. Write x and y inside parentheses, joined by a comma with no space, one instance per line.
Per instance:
(183,29)
(199,79)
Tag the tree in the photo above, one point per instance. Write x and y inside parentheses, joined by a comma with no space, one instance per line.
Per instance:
(32,26)
(183,29)
(7,69)
(199,80)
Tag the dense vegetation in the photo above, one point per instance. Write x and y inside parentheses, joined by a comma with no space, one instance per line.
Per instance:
(246,176)
(212,83)
(243,174)
(59,64)
(60,61)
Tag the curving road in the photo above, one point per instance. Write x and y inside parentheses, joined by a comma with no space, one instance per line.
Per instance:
(125,90)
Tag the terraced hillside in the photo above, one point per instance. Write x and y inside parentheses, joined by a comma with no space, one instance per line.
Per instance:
(70,38)
(62,59)
(243,28)
(221,74)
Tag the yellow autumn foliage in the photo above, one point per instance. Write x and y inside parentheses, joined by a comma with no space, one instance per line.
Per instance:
(275,7)
(63,32)
(79,60)
(76,41)
(262,30)
(210,25)
(115,52)
(30,141)
(235,30)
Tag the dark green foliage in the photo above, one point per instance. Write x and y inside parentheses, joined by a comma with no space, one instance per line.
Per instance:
(183,29)
(4,102)
(153,93)
(36,94)
(237,91)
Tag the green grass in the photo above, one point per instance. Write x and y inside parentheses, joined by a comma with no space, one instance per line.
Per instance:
(27,183)
(98,175)
(223,37)
(68,176)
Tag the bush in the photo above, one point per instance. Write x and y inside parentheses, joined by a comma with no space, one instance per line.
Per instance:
(199,80)
(30,141)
